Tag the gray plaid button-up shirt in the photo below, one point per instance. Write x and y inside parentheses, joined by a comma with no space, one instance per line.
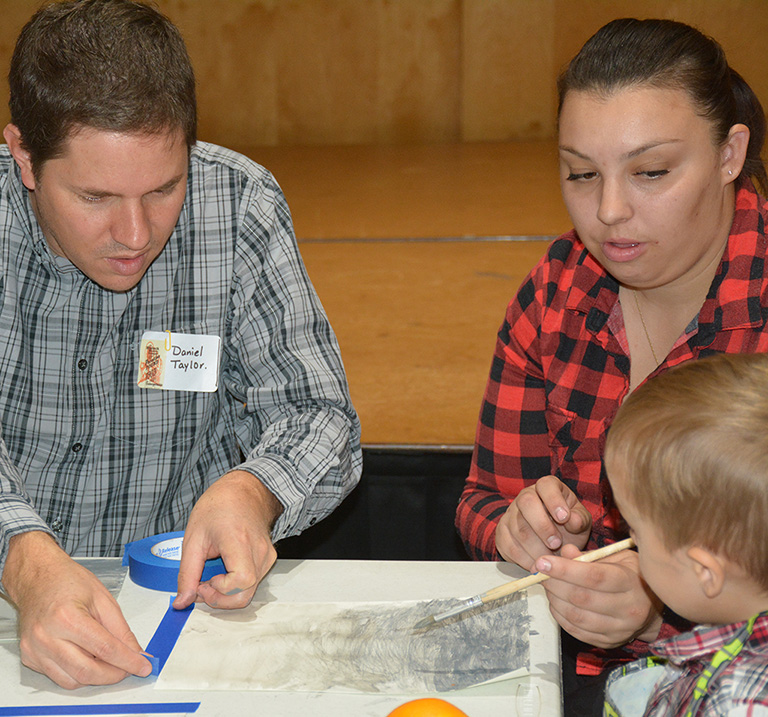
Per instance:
(92,458)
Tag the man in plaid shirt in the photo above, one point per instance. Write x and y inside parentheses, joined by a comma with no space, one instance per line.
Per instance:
(687,459)
(116,222)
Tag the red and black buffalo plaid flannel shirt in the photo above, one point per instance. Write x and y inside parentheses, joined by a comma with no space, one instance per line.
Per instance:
(561,370)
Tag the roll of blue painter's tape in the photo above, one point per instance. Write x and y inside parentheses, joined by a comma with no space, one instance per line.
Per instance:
(154,562)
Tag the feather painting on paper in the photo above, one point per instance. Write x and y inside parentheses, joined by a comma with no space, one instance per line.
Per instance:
(349,647)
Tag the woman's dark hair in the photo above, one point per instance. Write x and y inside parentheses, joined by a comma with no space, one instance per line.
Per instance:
(115,65)
(669,54)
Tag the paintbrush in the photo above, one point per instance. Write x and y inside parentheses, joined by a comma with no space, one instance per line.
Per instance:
(516,585)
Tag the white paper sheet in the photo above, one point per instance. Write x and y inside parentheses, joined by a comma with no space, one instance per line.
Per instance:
(349,647)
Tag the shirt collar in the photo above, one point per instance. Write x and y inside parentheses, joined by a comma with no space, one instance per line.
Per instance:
(21,205)
(734,299)
(593,292)
(703,641)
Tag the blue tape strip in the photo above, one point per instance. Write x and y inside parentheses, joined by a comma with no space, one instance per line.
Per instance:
(159,573)
(150,708)
(165,636)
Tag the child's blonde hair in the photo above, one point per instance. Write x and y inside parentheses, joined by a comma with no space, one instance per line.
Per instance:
(693,445)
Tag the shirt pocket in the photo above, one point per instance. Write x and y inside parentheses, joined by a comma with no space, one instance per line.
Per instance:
(154,417)
(576,447)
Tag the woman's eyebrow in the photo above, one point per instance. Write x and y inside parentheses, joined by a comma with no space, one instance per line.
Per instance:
(627,155)
(650,145)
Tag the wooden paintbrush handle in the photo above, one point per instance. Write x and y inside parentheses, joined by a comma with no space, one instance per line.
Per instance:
(536,578)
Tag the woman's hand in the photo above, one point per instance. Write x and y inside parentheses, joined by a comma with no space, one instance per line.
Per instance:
(605,603)
(542,519)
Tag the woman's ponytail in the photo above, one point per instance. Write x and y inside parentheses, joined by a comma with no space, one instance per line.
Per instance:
(749,111)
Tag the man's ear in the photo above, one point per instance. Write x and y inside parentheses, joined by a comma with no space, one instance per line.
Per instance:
(709,570)
(20,155)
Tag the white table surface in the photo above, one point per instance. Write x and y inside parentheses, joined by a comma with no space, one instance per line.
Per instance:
(322,581)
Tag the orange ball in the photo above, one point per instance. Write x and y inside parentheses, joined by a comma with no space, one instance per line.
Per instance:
(427,707)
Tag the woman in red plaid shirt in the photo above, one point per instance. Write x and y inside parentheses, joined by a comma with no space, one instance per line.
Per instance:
(660,143)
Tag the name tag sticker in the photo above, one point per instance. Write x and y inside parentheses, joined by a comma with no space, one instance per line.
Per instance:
(179,362)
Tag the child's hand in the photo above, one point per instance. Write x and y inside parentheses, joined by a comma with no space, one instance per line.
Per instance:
(605,603)
(542,519)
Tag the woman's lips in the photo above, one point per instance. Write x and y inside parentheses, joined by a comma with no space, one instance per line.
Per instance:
(621,250)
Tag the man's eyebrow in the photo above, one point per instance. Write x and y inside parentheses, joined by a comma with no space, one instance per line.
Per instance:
(170,184)
(627,155)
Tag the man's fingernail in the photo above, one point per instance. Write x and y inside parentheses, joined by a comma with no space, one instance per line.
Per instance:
(146,670)
(561,514)
(543,565)
(553,542)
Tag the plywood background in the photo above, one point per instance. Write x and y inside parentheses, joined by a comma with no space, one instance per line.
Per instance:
(342,72)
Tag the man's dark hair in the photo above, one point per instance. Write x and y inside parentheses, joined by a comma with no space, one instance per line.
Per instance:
(115,65)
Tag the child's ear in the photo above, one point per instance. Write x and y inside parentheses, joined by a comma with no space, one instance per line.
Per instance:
(709,570)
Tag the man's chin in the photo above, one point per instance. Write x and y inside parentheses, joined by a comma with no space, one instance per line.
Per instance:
(119,284)
(120,275)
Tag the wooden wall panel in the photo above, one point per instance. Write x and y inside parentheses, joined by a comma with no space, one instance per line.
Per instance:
(233,47)
(336,72)
(507,91)
(740,26)
(418,73)
(326,71)
(367,72)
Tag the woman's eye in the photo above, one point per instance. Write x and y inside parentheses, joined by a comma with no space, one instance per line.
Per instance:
(654,173)
(576,176)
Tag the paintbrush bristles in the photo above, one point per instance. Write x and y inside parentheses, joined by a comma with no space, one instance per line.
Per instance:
(425,622)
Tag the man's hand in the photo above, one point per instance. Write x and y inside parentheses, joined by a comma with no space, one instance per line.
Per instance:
(542,519)
(605,603)
(71,628)
(233,520)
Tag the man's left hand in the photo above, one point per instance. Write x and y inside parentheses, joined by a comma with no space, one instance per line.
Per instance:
(232,520)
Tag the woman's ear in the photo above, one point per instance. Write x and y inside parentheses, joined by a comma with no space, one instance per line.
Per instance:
(734,152)
(709,570)
(20,155)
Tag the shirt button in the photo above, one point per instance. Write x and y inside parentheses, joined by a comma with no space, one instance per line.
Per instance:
(77,448)
(57,525)
(82,364)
